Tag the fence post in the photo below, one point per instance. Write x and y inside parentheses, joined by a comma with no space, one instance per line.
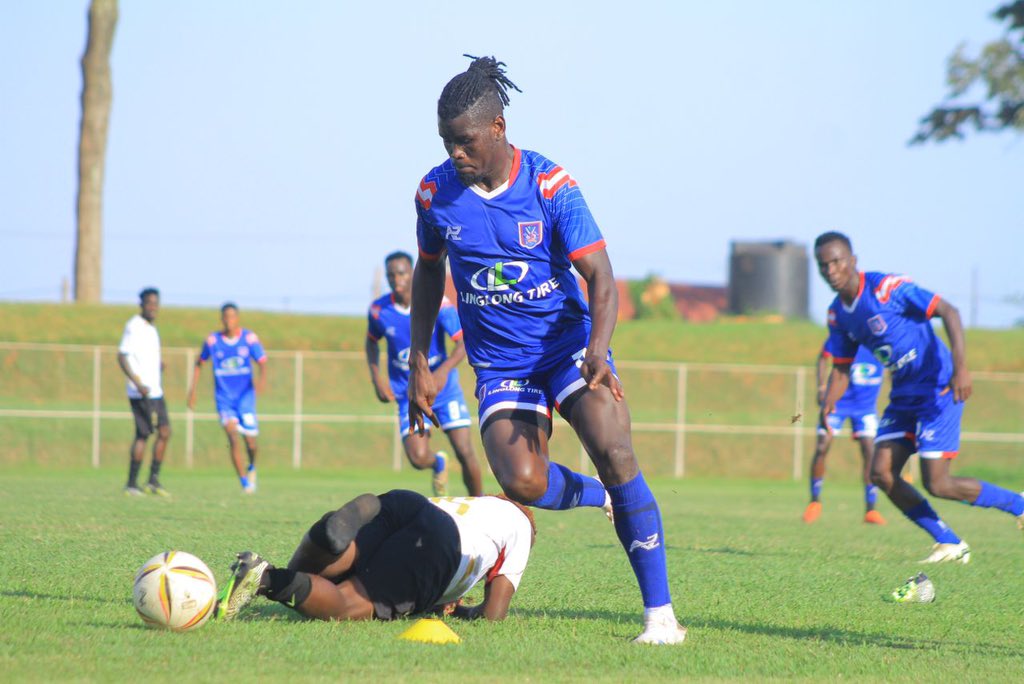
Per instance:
(190,418)
(798,437)
(96,407)
(680,453)
(297,418)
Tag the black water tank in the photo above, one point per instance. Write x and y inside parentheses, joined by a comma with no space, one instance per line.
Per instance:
(769,277)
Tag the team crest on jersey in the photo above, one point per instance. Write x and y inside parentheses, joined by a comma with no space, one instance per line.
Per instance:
(877,324)
(531,233)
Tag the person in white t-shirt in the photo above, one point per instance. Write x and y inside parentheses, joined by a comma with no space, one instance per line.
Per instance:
(395,555)
(139,358)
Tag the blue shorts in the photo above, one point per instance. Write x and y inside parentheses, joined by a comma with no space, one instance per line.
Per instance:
(241,410)
(449,407)
(864,422)
(930,424)
(535,394)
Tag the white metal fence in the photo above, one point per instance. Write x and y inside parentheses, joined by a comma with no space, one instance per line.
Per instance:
(678,426)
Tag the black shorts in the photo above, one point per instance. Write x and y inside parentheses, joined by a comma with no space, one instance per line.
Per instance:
(407,555)
(144,410)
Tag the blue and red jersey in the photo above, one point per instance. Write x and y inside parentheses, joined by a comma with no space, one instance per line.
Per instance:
(861,396)
(232,362)
(890,316)
(390,320)
(510,252)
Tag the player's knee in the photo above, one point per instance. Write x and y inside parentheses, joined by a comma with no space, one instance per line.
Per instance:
(882,477)
(616,463)
(524,486)
(941,488)
(164,433)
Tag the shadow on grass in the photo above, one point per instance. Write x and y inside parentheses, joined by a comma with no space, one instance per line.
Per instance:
(22,593)
(825,633)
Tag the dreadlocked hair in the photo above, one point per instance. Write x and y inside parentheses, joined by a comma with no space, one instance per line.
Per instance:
(485,77)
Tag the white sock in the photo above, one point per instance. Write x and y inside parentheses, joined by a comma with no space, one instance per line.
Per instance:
(660,614)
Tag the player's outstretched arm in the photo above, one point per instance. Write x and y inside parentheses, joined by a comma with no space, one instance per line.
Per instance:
(822,376)
(960,383)
(838,381)
(427,291)
(497,598)
(261,380)
(380,387)
(603,294)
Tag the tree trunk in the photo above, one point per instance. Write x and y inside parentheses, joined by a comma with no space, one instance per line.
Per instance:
(92,148)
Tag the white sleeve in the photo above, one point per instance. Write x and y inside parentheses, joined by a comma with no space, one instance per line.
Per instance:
(516,559)
(126,346)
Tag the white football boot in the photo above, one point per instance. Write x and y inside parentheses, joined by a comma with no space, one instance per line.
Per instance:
(945,553)
(661,627)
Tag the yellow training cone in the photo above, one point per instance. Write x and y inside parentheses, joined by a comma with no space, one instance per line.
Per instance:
(430,631)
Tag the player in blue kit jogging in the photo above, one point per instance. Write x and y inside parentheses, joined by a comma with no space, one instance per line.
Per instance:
(234,351)
(389,319)
(890,315)
(859,405)
(512,225)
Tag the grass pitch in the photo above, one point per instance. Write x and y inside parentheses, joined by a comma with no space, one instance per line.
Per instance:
(763,595)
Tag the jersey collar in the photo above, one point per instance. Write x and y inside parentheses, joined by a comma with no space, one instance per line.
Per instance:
(853,305)
(398,307)
(516,160)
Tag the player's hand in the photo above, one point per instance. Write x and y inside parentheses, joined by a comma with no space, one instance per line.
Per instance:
(383,391)
(826,411)
(596,371)
(422,393)
(440,379)
(143,390)
(821,395)
(960,385)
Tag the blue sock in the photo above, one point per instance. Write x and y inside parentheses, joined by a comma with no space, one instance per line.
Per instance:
(245,481)
(439,462)
(992,496)
(870,495)
(816,484)
(925,517)
(567,489)
(638,524)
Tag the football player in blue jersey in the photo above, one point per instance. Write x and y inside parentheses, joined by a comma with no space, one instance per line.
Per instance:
(389,318)
(859,405)
(890,315)
(513,224)
(233,351)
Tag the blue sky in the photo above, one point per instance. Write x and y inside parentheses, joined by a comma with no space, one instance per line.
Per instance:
(268,152)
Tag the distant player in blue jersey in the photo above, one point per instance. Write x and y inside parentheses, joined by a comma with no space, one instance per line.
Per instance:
(890,315)
(389,319)
(513,224)
(859,405)
(233,352)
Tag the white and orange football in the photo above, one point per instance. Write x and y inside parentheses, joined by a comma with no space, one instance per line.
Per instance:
(175,590)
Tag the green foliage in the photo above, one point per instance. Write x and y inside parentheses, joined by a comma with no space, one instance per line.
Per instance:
(764,596)
(998,71)
(652,299)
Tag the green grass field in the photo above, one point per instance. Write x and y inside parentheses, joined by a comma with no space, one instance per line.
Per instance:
(763,595)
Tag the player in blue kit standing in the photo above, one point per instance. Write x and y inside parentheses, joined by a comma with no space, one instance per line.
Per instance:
(389,319)
(859,405)
(234,351)
(513,224)
(890,315)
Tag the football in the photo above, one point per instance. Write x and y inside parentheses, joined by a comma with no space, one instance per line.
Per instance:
(174,590)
